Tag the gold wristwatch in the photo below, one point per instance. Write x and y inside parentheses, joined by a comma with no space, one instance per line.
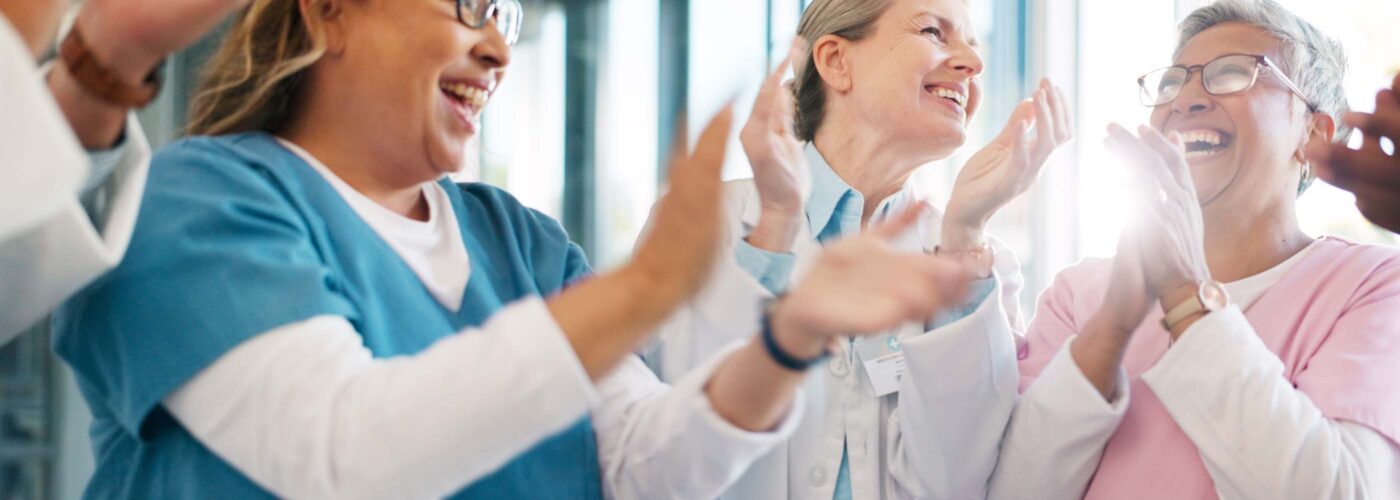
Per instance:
(1210,297)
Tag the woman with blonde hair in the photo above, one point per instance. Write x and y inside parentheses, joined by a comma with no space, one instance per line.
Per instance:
(882,88)
(311,310)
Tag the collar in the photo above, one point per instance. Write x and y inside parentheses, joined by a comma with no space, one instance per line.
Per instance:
(834,207)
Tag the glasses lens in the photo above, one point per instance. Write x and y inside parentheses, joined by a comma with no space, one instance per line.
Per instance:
(509,16)
(1161,86)
(1230,74)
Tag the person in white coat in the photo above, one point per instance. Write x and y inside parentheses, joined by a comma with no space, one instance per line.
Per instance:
(882,88)
(66,217)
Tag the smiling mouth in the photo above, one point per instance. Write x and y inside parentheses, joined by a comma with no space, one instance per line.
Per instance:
(947,93)
(464,95)
(1205,143)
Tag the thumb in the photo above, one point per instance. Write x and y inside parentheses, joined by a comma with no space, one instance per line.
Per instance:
(894,226)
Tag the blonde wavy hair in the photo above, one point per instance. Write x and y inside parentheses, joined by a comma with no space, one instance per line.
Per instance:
(251,83)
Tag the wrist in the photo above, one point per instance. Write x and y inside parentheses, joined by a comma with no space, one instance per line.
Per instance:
(961,234)
(776,230)
(1176,292)
(97,123)
(124,59)
(791,337)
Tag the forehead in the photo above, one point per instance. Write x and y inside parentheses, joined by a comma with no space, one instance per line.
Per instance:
(1228,38)
(954,13)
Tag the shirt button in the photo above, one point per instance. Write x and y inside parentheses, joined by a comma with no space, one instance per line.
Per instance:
(839,367)
(818,476)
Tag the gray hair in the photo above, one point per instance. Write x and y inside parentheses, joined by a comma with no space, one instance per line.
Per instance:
(1315,62)
(849,19)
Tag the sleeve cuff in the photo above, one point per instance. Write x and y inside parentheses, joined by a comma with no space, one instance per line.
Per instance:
(772,270)
(1064,382)
(1214,345)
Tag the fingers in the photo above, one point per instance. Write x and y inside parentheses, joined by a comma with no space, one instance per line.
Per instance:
(1021,119)
(892,227)
(1059,111)
(1349,169)
(1173,154)
(1066,116)
(1045,141)
(710,150)
(1143,159)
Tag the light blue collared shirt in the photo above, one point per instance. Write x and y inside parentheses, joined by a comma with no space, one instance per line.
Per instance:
(834,209)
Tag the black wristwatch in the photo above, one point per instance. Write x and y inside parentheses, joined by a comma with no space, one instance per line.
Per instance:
(770,344)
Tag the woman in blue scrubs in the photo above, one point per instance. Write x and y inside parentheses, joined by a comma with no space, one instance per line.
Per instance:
(311,310)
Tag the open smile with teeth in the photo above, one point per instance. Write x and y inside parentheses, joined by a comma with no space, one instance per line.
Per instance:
(1203,143)
(949,94)
(472,96)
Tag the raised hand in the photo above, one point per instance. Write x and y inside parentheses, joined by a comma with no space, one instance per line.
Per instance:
(1174,239)
(1370,173)
(1007,167)
(862,285)
(780,171)
(132,36)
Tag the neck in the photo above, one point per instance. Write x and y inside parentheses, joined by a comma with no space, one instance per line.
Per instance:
(860,157)
(1239,247)
(356,161)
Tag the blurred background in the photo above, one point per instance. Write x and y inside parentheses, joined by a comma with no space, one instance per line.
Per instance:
(598,89)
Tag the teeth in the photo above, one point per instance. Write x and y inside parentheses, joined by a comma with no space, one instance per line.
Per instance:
(951,94)
(1203,136)
(473,96)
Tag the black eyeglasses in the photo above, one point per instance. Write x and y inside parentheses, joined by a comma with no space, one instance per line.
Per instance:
(1230,74)
(507,14)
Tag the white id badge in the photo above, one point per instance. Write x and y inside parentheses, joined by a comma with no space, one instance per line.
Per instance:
(883,360)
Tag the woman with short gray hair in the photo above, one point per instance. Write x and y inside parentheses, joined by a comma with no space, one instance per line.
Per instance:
(1269,369)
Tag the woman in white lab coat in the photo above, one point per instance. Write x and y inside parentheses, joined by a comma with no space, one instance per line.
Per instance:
(65,219)
(882,88)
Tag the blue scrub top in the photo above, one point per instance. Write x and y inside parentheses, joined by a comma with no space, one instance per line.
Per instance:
(238,236)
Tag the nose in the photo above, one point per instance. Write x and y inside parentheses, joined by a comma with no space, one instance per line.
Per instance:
(966,59)
(1193,98)
(492,51)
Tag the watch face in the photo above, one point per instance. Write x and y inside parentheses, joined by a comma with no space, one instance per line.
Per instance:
(1213,296)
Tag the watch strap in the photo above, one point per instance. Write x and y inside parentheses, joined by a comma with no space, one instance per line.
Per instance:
(99,80)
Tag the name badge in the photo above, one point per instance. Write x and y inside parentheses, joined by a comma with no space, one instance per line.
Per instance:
(883,360)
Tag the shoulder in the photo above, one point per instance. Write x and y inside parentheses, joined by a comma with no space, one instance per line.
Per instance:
(249,164)
(1085,278)
(504,209)
(1365,269)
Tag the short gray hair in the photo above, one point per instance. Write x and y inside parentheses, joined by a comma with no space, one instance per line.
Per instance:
(1314,61)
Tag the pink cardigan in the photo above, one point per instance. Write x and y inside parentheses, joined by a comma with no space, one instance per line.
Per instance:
(1334,321)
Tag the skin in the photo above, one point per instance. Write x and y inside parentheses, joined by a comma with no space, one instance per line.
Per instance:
(1369,173)
(882,123)
(1201,227)
(129,37)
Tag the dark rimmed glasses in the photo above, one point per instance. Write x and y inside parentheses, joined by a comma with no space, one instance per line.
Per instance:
(507,14)
(1229,74)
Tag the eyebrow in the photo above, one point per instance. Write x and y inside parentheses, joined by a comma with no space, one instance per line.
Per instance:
(949,25)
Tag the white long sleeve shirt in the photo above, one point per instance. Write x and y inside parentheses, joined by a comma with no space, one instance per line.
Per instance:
(305,411)
(50,246)
(1258,436)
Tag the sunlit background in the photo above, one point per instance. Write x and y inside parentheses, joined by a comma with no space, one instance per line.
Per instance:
(598,89)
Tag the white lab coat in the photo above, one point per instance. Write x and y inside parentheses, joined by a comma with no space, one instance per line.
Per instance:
(936,438)
(49,247)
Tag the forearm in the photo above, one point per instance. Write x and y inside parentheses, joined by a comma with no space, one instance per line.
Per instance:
(1258,435)
(1057,434)
(750,390)
(307,412)
(96,123)
(606,317)
(1098,352)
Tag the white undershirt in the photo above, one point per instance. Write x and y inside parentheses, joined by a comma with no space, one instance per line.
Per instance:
(432,249)
(306,411)
(1063,420)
